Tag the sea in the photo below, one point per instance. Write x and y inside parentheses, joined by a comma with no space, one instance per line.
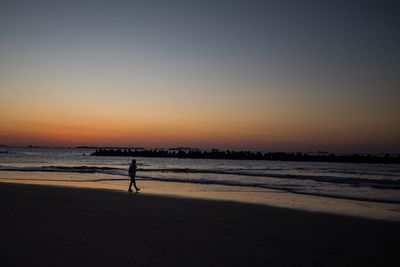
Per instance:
(365,182)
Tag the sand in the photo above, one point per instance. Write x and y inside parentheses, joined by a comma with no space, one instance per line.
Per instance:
(63,226)
(263,196)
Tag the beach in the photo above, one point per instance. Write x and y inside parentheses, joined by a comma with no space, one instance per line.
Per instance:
(44,225)
(360,190)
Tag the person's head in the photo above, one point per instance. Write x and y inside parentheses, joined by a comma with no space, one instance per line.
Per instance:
(134,162)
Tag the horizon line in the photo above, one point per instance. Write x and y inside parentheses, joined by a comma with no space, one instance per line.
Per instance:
(318,151)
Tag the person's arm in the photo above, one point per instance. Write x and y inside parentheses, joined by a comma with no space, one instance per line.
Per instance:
(130,170)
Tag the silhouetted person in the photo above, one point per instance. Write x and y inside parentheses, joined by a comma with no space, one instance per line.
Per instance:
(132,174)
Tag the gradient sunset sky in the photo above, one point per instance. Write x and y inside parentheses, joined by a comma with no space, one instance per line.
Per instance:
(260,75)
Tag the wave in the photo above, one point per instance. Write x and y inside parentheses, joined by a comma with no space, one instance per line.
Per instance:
(382,183)
(353,181)
(352,172)
(79,169)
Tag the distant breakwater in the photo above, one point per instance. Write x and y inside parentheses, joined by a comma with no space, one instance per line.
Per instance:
(248,155)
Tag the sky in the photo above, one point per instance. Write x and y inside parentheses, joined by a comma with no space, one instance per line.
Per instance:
(258,75)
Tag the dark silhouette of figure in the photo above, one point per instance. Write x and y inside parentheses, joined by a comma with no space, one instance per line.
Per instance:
(132,174)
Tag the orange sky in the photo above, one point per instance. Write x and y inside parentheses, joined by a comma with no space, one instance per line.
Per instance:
(262,76)
(237,121)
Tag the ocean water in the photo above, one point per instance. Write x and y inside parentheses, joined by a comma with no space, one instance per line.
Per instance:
(373,182)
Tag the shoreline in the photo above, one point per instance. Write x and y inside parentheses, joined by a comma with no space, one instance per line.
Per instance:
(64,226)
(266,197)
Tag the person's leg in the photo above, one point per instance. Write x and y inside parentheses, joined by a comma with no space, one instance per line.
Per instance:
(130,187)
(134,184)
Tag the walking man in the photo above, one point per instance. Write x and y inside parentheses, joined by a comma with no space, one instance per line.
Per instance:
(132,174)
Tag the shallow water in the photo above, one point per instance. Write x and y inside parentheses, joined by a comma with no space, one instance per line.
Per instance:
(373,182)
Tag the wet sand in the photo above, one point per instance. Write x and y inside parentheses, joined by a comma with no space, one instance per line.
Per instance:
(243,194)
(63,226)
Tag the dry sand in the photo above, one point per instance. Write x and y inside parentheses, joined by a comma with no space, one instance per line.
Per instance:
(61,226)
